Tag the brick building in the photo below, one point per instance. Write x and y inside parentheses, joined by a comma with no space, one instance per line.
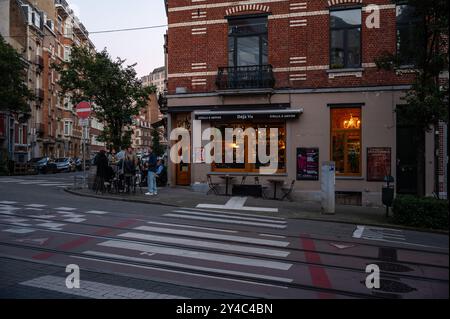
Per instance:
(307,68)
(44,32)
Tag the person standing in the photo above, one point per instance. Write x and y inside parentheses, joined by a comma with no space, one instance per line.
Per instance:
(151,178)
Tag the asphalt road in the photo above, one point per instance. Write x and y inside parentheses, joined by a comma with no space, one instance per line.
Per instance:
(131,250)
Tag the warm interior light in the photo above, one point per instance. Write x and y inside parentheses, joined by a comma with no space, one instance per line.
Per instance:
(352,123)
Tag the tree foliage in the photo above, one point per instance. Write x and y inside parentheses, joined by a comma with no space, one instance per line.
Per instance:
(428,98)
(113,89)
(14,93)
(426,103)
(157,148)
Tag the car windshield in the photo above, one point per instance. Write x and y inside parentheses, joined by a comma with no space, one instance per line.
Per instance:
(61,160)
(37,160)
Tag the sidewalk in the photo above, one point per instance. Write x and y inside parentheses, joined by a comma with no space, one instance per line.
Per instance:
(186,197)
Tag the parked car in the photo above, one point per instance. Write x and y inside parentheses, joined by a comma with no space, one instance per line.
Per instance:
(65,164)
(79,164)
(44,165)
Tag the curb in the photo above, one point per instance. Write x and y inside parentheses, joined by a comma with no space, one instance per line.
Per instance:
(70,191)
(422,230)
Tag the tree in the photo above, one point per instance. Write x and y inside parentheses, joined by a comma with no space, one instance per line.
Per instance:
(14,93)
(426,103)
(115,93)
(157,148)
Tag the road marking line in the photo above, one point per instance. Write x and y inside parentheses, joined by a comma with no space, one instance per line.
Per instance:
(233,213)
(273,236)
(191,267)
(253,262)
(5,202)
(51,225)
(66,208)
(36,206)
(229,216)
(83,240)
(193,227)
(19,231)
(94,290)
(237,203)
(96,212)
(42,216)
(75,220)
(225,221)
(319,276)
(207,244)
(213,236)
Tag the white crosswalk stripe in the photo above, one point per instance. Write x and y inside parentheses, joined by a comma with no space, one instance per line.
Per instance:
(225,221)
(248,240)
(206,244)
(230,259)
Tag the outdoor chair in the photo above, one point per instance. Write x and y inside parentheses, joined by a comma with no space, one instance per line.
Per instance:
(264,189)
(287,191)
(212,186)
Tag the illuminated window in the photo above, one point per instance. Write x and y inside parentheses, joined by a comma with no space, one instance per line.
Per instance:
(346,140)
(252,167)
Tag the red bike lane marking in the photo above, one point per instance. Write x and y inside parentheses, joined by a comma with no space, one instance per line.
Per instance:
(83,240)
(319,275)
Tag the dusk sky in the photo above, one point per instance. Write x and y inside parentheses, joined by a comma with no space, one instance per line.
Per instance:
(144,47)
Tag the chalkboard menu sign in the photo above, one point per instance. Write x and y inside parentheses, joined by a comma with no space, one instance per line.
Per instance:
(308,164)
(378,163)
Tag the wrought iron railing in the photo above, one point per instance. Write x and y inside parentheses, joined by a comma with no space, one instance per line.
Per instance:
(245,77)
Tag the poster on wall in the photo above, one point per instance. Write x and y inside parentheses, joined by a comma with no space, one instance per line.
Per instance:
(308,164)
(378,163)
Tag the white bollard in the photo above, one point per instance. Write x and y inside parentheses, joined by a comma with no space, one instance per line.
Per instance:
(328,185)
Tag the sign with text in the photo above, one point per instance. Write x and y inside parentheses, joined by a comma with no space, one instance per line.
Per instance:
(379,161)
(248,116)
(308,164)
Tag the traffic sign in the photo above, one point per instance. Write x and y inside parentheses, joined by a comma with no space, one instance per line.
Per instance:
(84,110)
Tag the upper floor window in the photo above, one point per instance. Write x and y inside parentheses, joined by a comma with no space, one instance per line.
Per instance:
(407,39)
(248,42)
(345,38)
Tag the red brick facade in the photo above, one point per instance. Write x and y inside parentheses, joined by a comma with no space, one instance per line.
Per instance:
(198,35)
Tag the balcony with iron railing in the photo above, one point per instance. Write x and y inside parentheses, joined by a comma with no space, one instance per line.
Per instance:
(245,79)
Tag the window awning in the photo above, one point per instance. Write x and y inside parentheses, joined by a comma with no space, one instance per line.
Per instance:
(248,115)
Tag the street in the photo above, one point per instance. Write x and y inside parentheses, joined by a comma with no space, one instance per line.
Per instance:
(142,251)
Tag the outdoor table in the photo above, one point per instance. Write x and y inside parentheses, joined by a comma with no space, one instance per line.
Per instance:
(275,183)
(227,178)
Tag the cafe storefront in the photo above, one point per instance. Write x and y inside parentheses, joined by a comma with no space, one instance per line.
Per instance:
(358,131)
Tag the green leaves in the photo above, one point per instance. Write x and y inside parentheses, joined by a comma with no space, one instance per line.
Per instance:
(113,89)
(14,93)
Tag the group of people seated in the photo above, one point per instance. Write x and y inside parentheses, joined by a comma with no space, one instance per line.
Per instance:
(125,171)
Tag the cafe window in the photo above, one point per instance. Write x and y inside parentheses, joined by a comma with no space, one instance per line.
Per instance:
(248,42)
(345,42)
(407,35)
(252,167)
(346,140)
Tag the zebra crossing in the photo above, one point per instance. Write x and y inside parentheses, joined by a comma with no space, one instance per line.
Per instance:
(56,183)
(189,247)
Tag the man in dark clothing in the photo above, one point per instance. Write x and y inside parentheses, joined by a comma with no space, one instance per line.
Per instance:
(151,163)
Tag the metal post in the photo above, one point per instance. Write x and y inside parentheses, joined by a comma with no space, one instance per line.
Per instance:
(84,157)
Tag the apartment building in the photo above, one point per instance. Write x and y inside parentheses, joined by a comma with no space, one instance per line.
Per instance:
(306,68)
(44,32)
(148,120)
(157,78)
